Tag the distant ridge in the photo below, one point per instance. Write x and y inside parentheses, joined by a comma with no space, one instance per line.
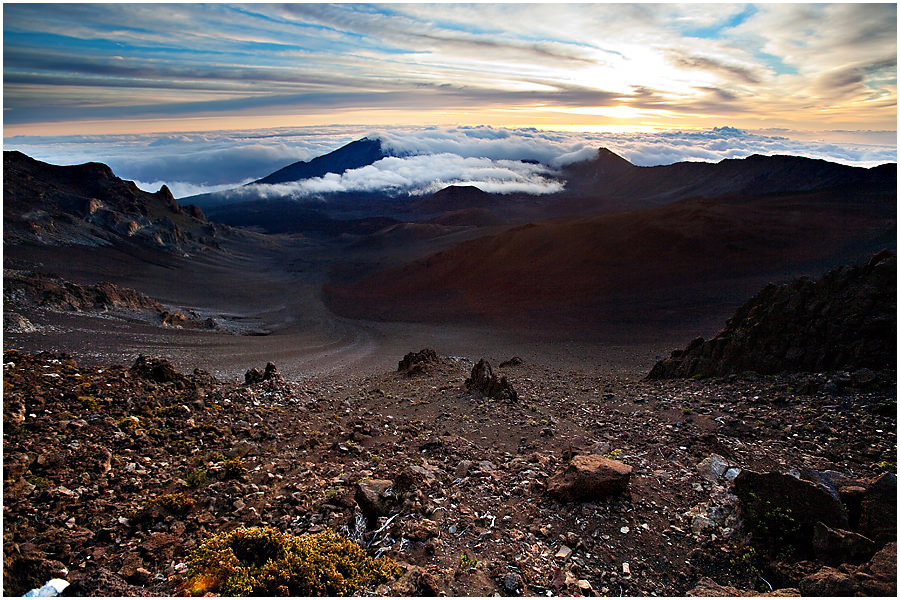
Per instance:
(352,156)
(88,205)
(623,185)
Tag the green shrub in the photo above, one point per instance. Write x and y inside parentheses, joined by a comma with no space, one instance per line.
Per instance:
(467,562)
(234,468)
(176,503)
(196,477)
(265,562)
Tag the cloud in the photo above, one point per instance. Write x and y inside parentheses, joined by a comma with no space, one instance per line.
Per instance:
(415,175)
(426,158)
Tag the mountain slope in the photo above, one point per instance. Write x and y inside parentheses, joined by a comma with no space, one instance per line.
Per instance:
(585,271)
(88,205)
(616,184)
(352,156)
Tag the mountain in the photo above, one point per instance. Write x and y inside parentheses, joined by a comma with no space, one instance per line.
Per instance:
(88,205)
(352,156)
(629,266)
(604,184)
(610,182)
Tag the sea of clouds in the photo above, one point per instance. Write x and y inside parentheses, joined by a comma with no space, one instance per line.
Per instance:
(422,160)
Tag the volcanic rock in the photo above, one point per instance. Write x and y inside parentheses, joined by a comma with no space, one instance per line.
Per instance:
(878,577)
(845,321)
(155,369)
(375,497)
(589,477)
(415,363)
(878,517)
(707,588)
(254,375)
(837,546)
(484,381)
(782,507)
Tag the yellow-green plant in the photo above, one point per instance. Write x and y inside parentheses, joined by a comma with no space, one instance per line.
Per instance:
(266,562)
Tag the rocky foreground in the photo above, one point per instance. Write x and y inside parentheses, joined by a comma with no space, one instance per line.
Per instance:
(521,480)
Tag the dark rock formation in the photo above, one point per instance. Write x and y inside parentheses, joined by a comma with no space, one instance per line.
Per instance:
(155,369)
(484,382)
(878,517)
(87,205)
(845,321)
(589,477)
(39,289)
(781,510)
(375,498)
(254,375)
(415,363)
(878,577)
(515,361)
(838,546)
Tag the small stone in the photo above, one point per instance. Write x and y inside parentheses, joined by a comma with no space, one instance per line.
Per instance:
(563,553)
(512,583)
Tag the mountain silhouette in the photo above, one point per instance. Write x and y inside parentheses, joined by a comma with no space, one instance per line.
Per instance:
(352,156)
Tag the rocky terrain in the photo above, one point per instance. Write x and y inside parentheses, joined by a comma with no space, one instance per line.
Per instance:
(37,293)
(522,451)
(113,475)
(845,321)
(88,205)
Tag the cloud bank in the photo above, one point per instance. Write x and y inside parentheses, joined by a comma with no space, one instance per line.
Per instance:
(425,159)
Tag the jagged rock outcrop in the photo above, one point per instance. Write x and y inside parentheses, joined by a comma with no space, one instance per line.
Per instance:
(845,321)
(25,291)
(416,363)
(485,382)
(39,289)
(271,373)
(878,577)
(159,370)
(88,205)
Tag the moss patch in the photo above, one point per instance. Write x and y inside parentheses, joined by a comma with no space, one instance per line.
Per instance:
(264,561)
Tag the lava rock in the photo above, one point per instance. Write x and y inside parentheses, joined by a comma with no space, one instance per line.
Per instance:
(484,381)
(589,477)
(416,363)
(155,369)
(838,546)
(845,321)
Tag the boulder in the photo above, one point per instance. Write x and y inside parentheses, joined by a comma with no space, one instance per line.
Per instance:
(878,577)
(878,511)
(254,375)
(781,510)
(375,498)
(416,363)
(836,546)
(589,477)
(154,369)
(485,382)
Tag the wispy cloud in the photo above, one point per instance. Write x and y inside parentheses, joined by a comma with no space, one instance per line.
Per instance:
(822,65)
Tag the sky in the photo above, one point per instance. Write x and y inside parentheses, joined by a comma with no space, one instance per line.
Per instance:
(137,68)
(207,96)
